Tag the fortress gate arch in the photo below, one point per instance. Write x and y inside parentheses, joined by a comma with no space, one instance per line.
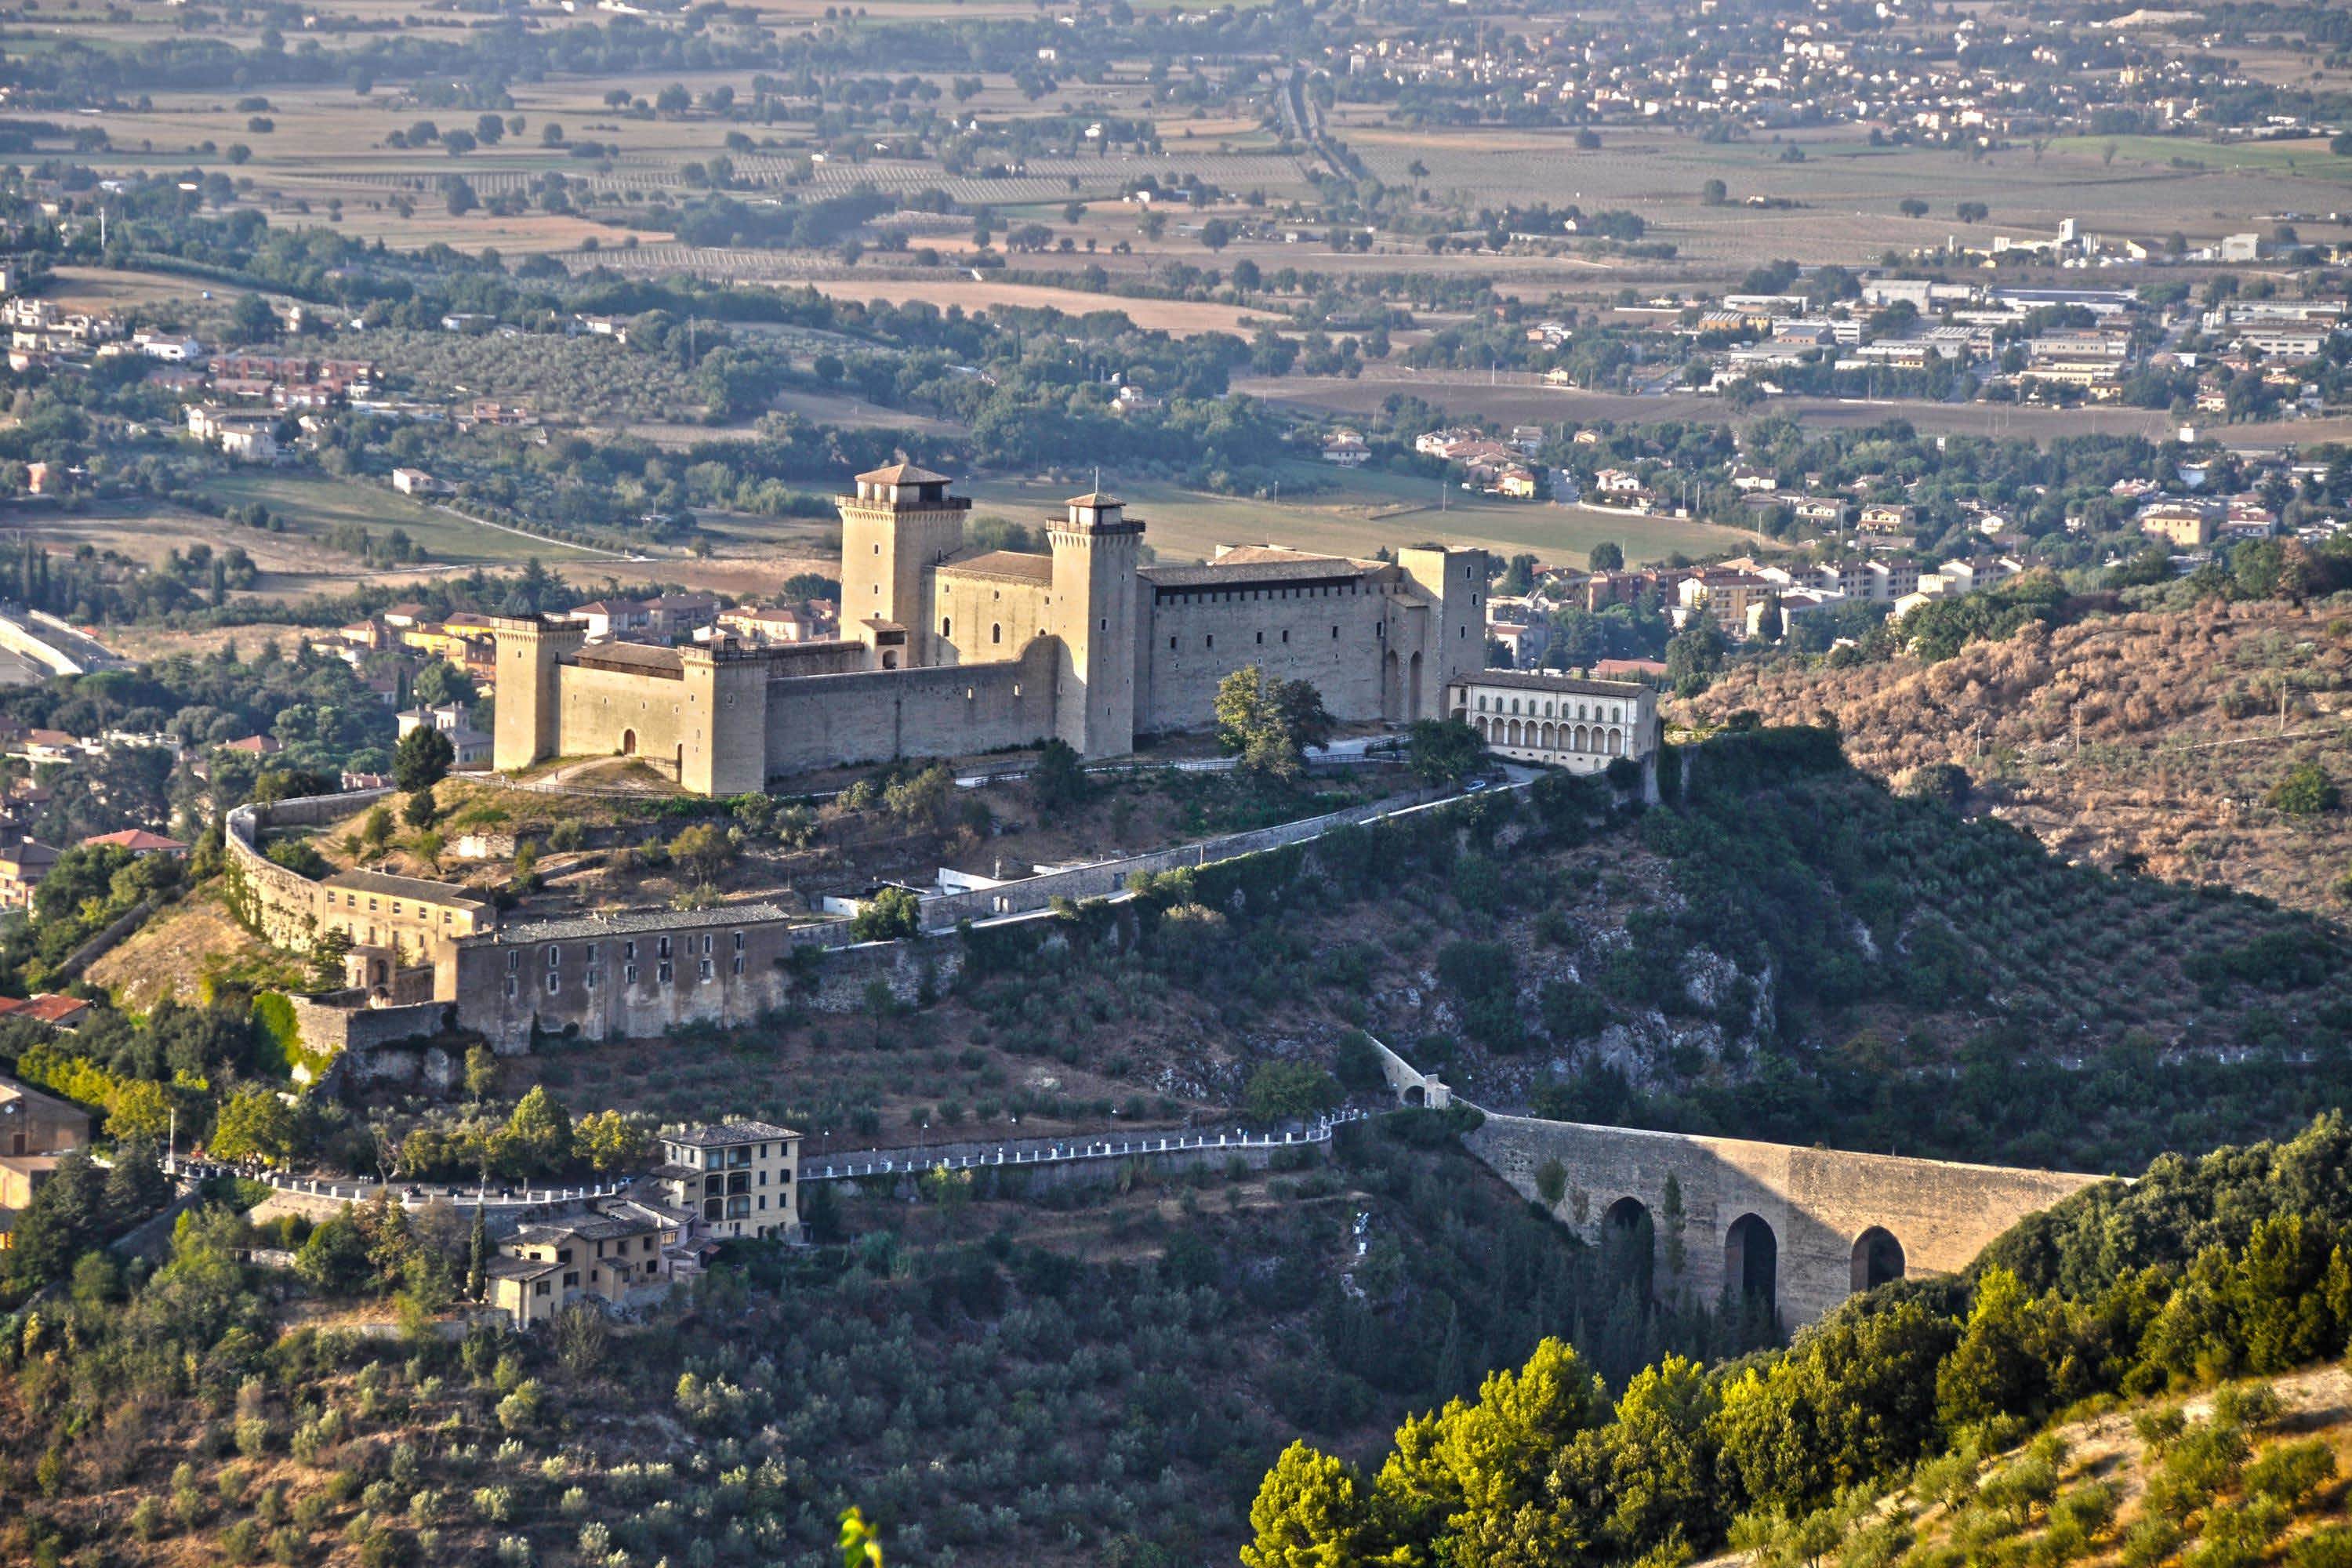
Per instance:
(1818,1206)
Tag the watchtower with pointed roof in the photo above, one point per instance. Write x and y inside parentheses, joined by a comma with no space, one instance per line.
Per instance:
(900,523)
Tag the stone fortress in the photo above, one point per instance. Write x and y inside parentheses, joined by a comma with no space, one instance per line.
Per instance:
(963,651)
(948,650)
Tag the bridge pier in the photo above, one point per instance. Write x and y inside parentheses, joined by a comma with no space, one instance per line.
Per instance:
(1801,1228)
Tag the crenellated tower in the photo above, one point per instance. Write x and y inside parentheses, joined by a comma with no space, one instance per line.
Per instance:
(900,523)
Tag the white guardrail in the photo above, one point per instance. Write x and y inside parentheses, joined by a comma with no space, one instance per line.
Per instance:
(1061,1151)
(1021,1153)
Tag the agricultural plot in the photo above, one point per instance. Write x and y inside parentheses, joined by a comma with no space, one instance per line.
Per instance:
(588,378)
(1849,190)
(1365,511)
(314,507)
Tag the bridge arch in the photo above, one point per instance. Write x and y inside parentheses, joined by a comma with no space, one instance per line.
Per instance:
(1629,1246)
(1815,1205)
(1878,1259)
(1751,1262)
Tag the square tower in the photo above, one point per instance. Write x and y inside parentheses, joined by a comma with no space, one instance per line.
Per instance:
(529,718)
(1093,616)
(1454,579)
(901,522)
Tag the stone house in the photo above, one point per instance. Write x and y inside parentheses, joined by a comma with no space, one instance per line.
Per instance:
(620,1255)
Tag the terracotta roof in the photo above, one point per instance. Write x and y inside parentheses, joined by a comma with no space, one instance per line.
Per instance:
(1276,555)
(1095,498)
(50,1009)
(633,922)
(1010,564)
(902,474)
(138,840)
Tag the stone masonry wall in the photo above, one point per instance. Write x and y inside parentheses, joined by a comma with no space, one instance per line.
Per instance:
(819,721)
(1818,1202)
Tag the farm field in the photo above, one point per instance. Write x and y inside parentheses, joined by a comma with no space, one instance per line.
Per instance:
(293,562)
(316,506)
(1527,402)
(1183,318)
(1366,511)
(97,289)
(1849,190)
(2301,159)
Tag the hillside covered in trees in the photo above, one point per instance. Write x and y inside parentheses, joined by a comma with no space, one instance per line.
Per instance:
(2236,1264)
(2198,745)
(1784,949)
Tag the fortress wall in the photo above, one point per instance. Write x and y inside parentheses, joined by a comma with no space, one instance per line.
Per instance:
(1818,1202)
(1178,688)
(972,606)
(827,719)
(595,707)
(502,987)
(331,1029)
(285,905)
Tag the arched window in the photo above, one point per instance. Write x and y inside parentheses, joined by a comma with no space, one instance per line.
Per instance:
(947,627)
(996,632)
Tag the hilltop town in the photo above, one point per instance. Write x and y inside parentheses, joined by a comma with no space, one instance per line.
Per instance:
(1300,782)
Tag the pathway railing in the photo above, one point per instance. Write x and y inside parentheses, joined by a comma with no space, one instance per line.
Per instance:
(1013,1153)
(1024,1153)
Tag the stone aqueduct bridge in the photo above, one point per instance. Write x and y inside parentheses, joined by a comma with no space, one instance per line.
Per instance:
(1805,1228)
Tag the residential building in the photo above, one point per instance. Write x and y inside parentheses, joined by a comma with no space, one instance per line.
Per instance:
(1347,452)
(2183,525)
(620,1255)
(22,866)
(470,747)
(1558,720)
(769,626)
(36,1130)
(139,841)
(48,1007)
(1726,595)
(738,1178)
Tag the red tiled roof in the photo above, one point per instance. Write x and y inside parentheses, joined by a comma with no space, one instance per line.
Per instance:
(50,1009)
(138,840)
